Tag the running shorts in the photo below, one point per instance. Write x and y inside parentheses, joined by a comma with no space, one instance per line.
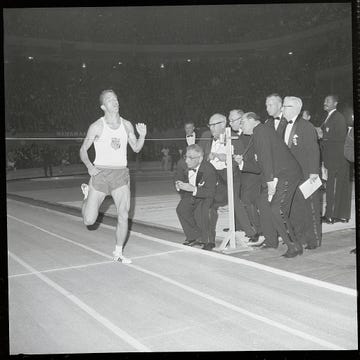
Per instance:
(108,180)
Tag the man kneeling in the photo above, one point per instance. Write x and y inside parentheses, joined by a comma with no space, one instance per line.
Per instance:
(195,211)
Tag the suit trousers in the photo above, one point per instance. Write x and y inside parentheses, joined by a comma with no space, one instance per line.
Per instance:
(305,218)
(338,192)
(241,217)
(195,216)
(266,222)
(280,209)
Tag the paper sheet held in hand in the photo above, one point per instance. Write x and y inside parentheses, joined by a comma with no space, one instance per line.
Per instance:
(308,188)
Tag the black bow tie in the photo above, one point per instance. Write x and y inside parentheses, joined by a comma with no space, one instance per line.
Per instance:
(194,170)
(290,122)
(277,118)
(189,135)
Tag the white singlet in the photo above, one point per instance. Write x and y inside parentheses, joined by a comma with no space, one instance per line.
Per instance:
(111,147)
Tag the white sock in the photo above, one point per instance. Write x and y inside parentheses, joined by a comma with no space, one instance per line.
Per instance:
(118,255)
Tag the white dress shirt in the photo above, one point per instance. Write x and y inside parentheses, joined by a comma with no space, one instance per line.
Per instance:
(288,130)
(190,139)
(192,174)
(277,121)
(219,148)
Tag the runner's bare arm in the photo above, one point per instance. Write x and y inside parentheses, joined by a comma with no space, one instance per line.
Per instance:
(136,144)
(91,135)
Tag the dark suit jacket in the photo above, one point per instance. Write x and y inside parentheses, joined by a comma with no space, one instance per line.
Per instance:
(332,143)
(206,179)
(304,146)
(282,125)
(273,156)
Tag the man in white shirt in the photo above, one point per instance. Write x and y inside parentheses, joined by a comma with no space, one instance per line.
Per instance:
(274,109)
(215,152)
(109,174)
(194,210)
(301,138)
(189,128)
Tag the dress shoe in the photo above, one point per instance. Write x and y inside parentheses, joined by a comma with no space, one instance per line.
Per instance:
(327,220)
(299,248)
(310,247)
(291,253)
(265,245)
(353,251)
(254,238)
(189,242)
(196,242)
(208,246)
(336,220)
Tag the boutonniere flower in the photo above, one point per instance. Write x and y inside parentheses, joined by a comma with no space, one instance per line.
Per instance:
(327,129)
(202,183)
(255,157)
(294,139)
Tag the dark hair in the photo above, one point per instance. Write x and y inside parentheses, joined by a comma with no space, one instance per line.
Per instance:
(189,122)
(335,97)
(252,115)
(103,93)
(275,95)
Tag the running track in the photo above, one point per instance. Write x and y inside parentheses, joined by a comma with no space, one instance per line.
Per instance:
(66,295)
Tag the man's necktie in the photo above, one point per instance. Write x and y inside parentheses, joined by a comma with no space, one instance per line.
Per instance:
(189,136)
(277,118)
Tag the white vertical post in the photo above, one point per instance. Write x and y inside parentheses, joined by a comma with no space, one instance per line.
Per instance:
(230,188)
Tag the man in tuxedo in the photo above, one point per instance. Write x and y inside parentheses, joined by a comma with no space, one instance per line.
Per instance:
(250,183)
(190,139)
(274,109)
(338,185)
(198,196)
(301,138)
(215,153)
(281,173)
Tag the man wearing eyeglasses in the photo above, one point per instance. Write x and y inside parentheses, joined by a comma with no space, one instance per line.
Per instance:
(250,183)
(281,176)
(215,153)
(195,211)
(274,109)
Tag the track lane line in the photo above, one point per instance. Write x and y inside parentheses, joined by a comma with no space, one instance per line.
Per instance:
(123,335)
(61,269)
(240,310)
(218,301)
(284,273)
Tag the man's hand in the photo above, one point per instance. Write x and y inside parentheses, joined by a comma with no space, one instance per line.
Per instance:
(93,170)
(141,129)
(313,178)
(184,186)
(319,132)
(212,156)
(238,158)
(221,157)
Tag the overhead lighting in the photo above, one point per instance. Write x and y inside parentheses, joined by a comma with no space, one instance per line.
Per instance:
(188,60)
(30,57)
(83,65)
(162,66)
(290,52)
(120,63)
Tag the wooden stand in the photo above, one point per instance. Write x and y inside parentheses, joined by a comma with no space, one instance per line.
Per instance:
(232,242)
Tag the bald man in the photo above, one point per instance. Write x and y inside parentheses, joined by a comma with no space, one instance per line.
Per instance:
(301,138)
(215,153)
